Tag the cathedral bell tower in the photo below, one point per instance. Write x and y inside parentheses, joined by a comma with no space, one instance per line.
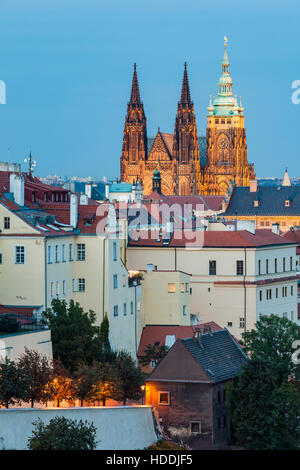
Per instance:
(226,144)
(185,142)
(134,147)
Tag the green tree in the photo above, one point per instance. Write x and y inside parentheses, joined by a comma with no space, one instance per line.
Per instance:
(263,414)
(38,371)
(75,338)
(63,434)
(129,377)
(13,383)
(107,385)
(272,341)
(85,379)
(104,335)
(153,352)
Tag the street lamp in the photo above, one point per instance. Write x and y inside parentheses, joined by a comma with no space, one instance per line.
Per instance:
(143,388)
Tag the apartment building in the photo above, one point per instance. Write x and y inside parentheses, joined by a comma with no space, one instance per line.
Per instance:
(236,276)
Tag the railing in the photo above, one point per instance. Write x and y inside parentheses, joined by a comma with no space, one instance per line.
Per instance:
(15,323)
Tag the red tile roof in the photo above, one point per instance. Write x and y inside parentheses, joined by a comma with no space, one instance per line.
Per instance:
(153,333)
(213,203)
(212,239)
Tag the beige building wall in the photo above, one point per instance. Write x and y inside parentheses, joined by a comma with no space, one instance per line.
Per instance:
(231,300)
(12,346)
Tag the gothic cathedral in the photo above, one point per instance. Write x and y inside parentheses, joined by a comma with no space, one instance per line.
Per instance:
(187,164)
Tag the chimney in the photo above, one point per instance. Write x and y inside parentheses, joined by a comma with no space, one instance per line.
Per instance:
(88,190)
(198,336)
(253,185)
(107,190)
(16,186)
(84,200)
(73,210)
(275,229)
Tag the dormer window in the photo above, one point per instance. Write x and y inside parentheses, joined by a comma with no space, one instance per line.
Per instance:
(287,203)
(256,203)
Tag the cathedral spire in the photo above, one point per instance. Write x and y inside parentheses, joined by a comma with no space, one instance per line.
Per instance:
(135,92)
(185,91)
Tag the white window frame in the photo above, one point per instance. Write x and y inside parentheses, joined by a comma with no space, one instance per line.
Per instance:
(80,252)
(20,254)
(160,392)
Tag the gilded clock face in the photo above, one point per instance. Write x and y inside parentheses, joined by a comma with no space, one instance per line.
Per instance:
(223,144)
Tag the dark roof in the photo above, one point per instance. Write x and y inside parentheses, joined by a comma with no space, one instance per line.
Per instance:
(271,201)
(220,355)
(201,143)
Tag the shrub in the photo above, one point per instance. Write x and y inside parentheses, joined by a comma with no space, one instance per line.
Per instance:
(9,324)
(63,434)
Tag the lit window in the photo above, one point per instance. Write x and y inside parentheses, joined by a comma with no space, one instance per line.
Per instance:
(57,288)
(80,251)
(81,285)
(163,398)
(182,287)
(52,289)
(19,254)
(171,288)
(124,281)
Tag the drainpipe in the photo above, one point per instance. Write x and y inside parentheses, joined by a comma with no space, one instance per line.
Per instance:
(103,281)
(175,259)
(46,280)
(135,315)
(245,291)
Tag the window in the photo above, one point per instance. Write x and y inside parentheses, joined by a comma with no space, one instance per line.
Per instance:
(81,285)
(125,309)
(275,262)
(276,292)
(163,398)
(19,254)
(115,281)
(284,292)
(292,315)
(195,428)
(7,223)
(64,288)
(115,251)
(73,285)
(71,252)
(184,310)
(267,266)
(212,268)
(283,264)
(219,396)
(116,311)
(124,280)
(80,251)
(49,254)
(229,323)
(292,290)
(284,314)
(131,308)
(260,295)
(171,288)
(182,287)
(186,287)
(63,253)
(56,254)
(52,289)
(152,364)
(0,258)
(259,266)
(269,294)
(242,322)
(239,268)
(291,263)
(57,288)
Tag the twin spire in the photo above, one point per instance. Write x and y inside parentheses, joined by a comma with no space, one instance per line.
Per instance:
(185,91)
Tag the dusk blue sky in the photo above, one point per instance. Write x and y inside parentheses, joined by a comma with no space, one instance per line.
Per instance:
(68,67)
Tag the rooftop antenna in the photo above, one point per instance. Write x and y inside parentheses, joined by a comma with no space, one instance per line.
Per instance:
(31,164)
